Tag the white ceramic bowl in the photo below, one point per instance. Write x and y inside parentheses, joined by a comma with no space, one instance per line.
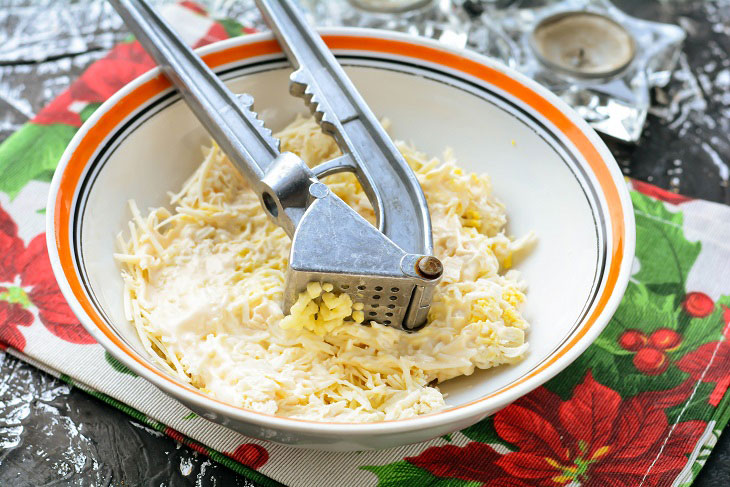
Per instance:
(551,170)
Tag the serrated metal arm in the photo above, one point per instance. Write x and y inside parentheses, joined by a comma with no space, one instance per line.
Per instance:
(330,241)
(390,184)
(228,119)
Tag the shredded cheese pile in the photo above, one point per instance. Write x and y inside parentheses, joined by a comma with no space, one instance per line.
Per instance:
(204,282)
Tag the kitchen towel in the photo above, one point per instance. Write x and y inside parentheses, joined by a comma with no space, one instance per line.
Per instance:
(643,406)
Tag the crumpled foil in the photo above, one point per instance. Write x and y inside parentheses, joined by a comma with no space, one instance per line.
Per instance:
(46,44)
(616,105)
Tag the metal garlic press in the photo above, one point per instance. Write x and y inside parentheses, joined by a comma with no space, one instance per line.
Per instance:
(390,269)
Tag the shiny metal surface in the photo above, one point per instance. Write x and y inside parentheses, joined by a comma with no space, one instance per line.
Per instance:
(228,119)
(396,196)
(330,242)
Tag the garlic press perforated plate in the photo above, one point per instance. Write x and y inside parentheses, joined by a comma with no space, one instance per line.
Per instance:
(390,268)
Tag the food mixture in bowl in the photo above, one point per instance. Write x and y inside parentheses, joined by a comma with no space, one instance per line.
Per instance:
(204,283)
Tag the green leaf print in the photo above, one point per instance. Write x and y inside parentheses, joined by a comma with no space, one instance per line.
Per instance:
(696,408)
(402,473)
(32,153)
(665,255)
(612,364)
(646,307)
(484,432)
(698,331)
(88,110)
(652,306)
(117,365)
(232,27)
(645,312)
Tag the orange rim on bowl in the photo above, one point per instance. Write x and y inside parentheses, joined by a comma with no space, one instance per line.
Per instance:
(620,237)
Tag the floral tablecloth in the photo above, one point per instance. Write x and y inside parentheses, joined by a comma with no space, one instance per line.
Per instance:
(643,406)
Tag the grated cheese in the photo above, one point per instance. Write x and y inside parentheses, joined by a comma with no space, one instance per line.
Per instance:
(204,281)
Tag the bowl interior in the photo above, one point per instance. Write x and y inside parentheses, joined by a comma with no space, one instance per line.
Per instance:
(162,148)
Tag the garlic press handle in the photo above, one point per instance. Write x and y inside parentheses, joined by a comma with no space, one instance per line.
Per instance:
(280,180)
(228,118)
(391,185)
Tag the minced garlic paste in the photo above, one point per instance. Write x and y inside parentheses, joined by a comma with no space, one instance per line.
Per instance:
(203,287)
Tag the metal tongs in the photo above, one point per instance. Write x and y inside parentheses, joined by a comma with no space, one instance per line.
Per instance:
(390,269)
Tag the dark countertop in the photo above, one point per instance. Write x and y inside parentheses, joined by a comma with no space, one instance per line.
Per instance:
(52,434)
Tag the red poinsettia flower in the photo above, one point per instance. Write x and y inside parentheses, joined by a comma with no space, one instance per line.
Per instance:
(194,6)
(13,315)
(58,112)
(709,363)
(216,33)
(659,193)
(594,438)
(106,76)
(251,455)
(476,462)
(26,281)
